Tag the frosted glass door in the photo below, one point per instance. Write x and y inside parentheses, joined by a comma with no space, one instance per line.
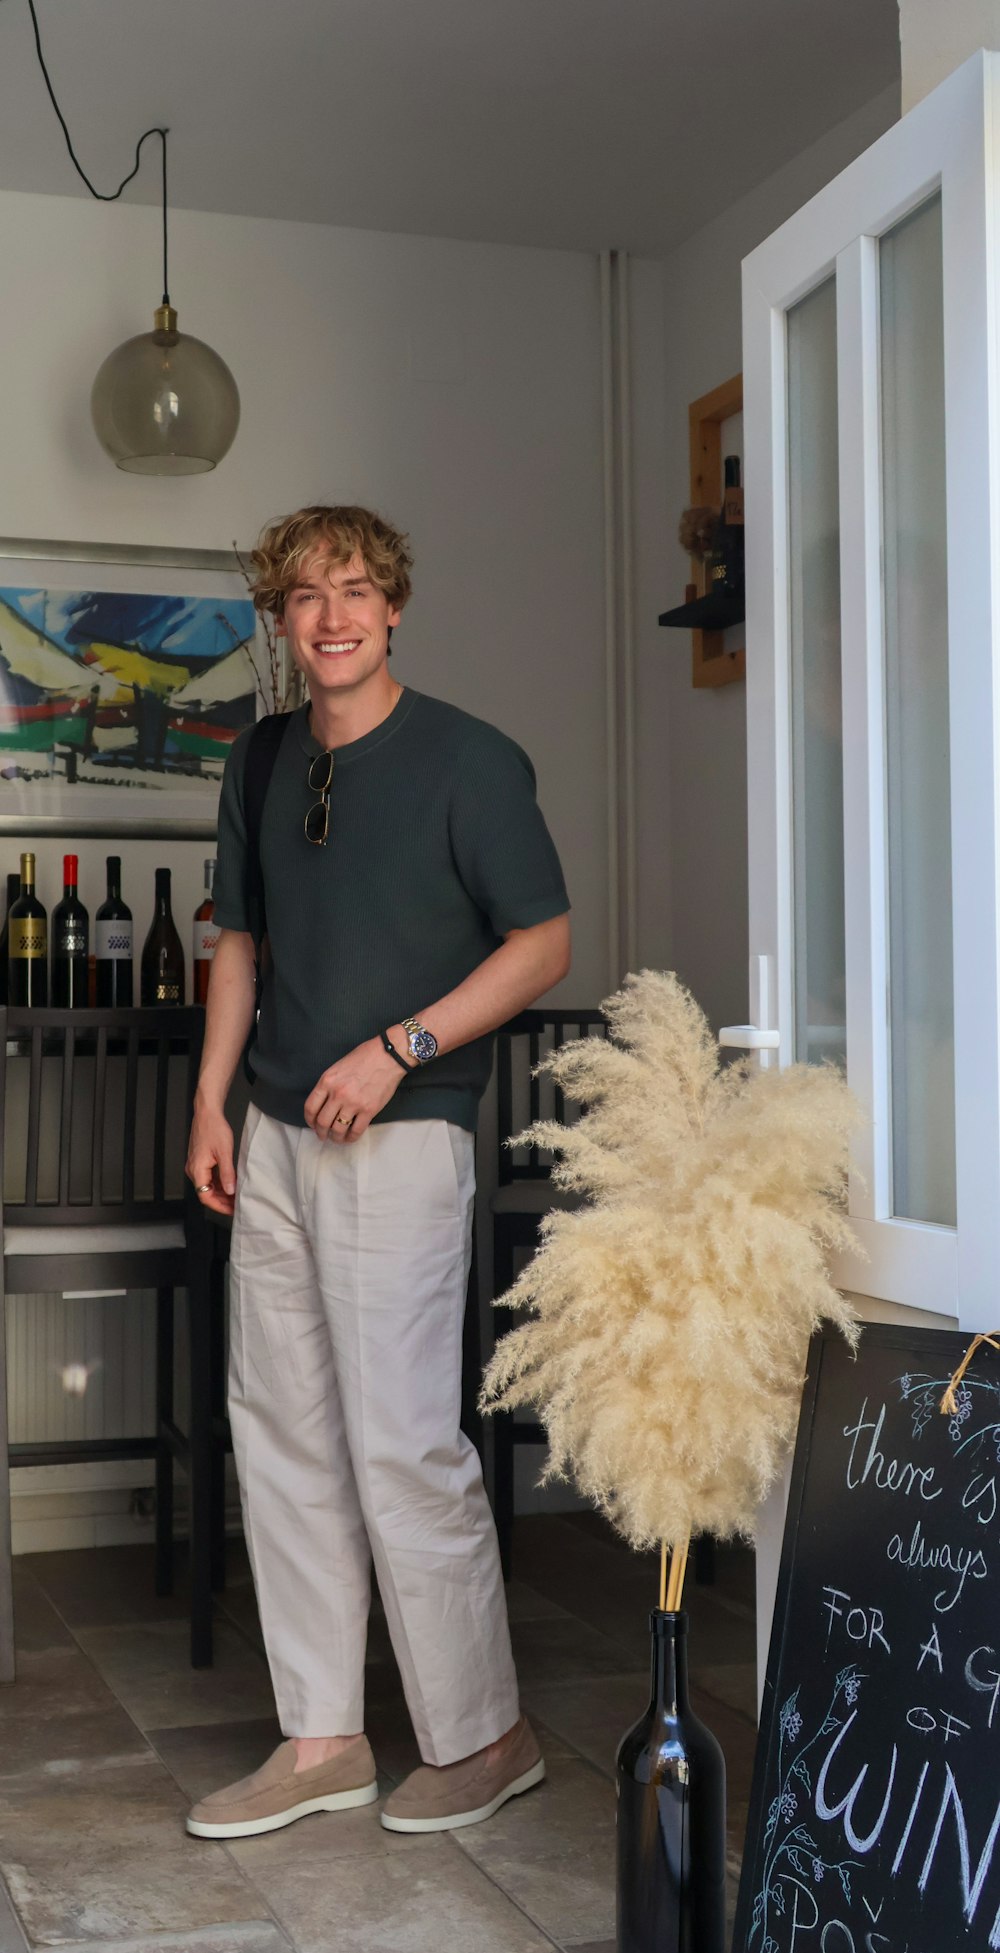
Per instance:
(871,404)
(814,622)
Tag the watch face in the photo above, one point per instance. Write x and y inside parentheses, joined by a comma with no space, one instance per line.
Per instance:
(423,1046)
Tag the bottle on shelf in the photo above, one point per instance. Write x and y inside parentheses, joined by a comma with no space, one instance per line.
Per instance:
(28,944)
(161,979)
(206,936)
(726,572)
(113,943)
(13,891)
(70,943)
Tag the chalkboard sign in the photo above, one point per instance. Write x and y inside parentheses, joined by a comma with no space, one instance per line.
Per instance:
(875,1815)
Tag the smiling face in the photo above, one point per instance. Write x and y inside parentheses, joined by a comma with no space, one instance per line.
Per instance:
(337,624)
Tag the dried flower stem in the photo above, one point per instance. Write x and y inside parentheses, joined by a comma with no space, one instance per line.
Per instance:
(281,695)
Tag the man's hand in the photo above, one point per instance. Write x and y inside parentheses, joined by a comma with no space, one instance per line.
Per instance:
(344,1101)
(210,1159)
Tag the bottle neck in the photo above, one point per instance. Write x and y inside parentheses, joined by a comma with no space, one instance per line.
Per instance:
(114,880)
(163,891)
(669,1677)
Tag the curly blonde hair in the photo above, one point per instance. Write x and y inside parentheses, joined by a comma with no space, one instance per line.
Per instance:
(340,532)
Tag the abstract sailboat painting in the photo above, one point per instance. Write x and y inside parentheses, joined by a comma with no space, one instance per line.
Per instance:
(109,689)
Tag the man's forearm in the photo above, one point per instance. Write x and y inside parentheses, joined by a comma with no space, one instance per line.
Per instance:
(228,1016)
(527,964)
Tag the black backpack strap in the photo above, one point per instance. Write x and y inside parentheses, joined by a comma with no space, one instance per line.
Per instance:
(262,752)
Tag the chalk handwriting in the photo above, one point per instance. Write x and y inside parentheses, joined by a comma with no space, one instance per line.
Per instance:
(985,1680)
(931,1650)
(889,1474)
(962,1561)
(860,1623)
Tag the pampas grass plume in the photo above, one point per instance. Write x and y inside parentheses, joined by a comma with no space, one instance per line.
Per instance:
(668,1317)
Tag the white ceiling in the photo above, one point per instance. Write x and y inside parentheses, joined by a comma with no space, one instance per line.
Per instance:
(576,123)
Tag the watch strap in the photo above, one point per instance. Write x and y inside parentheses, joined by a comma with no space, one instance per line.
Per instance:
(393,1053)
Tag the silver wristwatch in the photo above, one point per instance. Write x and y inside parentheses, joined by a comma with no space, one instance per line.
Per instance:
(423,1045)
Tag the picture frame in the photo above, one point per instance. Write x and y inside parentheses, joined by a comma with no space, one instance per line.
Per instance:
(121,686)
(715,660)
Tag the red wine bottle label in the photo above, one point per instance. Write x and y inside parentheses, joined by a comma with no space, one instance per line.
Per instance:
(206,940)
(113,940)
(29,938)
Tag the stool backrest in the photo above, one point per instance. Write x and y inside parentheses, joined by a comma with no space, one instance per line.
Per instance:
(94,1113)
(521,1097)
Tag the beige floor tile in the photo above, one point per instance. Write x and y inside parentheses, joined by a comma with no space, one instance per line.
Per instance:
(64,1746)
(422,1895)
(203,1757)
(560,1649)
(12,1939)
(148,1666)
(109,1586)
(51,1684)
(524,1603)
(100,1854)
(734,1683)
(553,1851)
(254,1936)
(37,1625)
(593,1715)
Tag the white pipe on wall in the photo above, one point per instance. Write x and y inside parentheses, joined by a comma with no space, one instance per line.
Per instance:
(626,659)
(610,615)
(619,616)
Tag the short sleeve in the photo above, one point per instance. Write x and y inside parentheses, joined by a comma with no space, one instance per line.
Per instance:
(503,850)
(231,848)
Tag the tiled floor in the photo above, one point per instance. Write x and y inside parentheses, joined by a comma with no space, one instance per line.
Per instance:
(108,1734)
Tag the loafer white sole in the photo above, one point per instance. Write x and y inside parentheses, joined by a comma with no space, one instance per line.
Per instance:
(455,1820)
(253,1827)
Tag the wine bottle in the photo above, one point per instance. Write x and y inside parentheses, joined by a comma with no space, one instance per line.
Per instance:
(70,942)
(206,936)
(28,943)
(13,891)
(161,979)
(671,1815)
(727,573)
(113,942)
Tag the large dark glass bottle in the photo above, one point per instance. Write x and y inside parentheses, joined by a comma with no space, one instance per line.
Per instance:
(671,1815)
(70,942)
(28,943)
(162,974)
(113,943)
(13,891)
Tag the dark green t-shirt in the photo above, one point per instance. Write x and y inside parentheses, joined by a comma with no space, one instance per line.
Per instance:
(436,848)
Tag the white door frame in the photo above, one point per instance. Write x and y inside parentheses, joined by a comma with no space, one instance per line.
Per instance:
(949,142)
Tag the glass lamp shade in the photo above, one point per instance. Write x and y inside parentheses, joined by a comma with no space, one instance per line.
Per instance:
(164,403)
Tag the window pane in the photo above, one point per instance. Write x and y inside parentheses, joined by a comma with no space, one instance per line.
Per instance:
(817,748)
(916,683)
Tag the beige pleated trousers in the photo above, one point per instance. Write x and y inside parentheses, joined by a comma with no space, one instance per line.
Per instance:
(349,1267)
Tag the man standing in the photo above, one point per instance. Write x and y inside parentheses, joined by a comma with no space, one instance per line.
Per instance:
(414,902)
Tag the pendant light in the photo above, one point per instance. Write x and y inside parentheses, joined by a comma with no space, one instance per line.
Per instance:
(162,403)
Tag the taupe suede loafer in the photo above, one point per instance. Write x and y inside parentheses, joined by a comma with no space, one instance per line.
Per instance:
(277,1794)
(465,1793)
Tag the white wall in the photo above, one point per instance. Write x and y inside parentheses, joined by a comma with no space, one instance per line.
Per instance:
(457,387)
(692,773)
(454,386)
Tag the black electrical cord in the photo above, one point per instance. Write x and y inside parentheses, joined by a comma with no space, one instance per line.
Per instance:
(106,196)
